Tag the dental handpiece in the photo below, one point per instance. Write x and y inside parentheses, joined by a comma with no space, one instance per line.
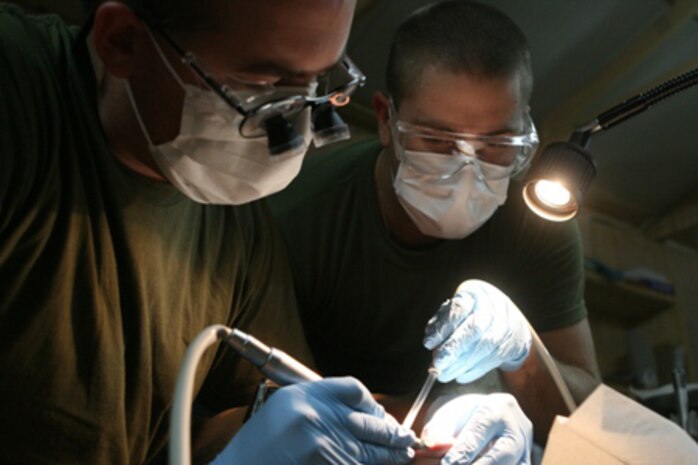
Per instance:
(276,364)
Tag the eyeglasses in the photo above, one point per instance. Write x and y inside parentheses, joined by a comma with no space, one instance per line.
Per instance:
(272,117)
(506,155)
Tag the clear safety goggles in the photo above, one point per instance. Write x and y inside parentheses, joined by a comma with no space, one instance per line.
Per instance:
(495,157)
(333,88)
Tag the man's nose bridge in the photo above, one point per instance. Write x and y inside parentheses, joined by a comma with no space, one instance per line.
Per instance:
(469,147)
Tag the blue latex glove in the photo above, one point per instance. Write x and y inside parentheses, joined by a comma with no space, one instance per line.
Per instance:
(479,329)
(484,430)
(332,421)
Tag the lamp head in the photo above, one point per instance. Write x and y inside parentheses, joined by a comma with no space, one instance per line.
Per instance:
(556,183)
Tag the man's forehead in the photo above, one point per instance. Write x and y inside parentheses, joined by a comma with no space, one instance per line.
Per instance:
(290,11)
(462,102)
(293,41)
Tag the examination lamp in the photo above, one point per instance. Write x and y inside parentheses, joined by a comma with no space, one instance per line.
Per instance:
(560,176)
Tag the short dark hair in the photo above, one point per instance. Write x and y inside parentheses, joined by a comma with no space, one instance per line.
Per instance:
(461,37)
(174,15)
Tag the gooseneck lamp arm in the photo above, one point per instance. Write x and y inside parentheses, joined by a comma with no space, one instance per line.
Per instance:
(567,169)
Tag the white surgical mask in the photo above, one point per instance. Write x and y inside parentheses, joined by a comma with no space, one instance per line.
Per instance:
(448,207)
(210,162)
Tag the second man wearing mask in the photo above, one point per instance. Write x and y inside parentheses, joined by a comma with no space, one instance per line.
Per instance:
(381,232)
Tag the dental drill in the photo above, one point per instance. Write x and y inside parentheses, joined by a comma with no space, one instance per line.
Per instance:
(277,365)
(284,370)
(274,363)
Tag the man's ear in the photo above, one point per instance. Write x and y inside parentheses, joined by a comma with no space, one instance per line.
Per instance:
(118,35)
(381,107)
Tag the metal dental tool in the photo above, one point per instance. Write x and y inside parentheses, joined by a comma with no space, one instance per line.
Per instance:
(276,364)
(284,369)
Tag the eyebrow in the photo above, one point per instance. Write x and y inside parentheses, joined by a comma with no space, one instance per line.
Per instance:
(276,69)
(440,126)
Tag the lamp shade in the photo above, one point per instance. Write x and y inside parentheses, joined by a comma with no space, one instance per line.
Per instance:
(556,183)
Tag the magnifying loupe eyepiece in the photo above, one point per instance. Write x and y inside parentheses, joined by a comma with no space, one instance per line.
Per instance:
(328,126)
(282,135)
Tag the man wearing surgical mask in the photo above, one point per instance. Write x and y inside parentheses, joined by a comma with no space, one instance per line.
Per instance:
(132,152)
(382,231)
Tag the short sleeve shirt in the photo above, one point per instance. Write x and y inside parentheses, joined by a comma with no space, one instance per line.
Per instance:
(106,277)
(365,300)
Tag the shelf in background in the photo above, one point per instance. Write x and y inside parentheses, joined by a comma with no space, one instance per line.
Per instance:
(621,302)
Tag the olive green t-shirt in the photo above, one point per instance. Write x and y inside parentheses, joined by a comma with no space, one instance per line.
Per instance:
(365,300)
(106,277)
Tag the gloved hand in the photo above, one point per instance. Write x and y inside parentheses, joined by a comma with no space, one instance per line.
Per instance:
(332,421)
(484,430)
(477,330)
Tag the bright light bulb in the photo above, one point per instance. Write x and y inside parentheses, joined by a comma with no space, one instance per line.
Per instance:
(552,193)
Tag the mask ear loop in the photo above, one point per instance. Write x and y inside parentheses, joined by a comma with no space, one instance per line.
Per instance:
(139,119)
(164,59)
(129,92)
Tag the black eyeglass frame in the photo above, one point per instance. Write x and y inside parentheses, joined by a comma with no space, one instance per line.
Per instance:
(337,97)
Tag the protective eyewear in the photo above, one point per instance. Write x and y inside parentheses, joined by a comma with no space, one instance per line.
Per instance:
(497,156)
(274,117)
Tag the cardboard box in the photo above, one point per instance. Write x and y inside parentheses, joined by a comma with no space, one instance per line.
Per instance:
(611,429)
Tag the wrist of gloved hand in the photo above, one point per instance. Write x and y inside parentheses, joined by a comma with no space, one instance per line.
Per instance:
(483,429)
(515,364)
(332,421)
